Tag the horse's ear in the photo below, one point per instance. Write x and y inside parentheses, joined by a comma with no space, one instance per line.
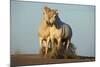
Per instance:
(45,9)
(56,11)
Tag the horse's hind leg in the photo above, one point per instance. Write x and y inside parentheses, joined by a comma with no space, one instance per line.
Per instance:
(67,43)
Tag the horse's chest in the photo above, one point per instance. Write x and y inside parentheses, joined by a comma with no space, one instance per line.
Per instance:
(56,33)
(44,32)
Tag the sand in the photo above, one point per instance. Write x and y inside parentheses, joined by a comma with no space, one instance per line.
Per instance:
(36,59)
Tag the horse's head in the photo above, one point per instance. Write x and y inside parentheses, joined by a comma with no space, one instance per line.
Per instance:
(50,15)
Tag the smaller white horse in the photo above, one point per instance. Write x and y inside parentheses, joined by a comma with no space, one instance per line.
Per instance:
(44,31)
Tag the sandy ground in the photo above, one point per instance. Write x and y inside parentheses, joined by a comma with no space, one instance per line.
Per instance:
(23,60)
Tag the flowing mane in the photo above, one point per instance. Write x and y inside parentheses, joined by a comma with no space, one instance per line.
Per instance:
(58,21)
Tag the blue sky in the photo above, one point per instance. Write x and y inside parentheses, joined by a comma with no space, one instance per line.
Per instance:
(26,17)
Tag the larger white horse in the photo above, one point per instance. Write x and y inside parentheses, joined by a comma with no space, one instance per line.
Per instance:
(60,31)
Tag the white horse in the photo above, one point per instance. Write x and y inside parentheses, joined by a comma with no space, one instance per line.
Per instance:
(60,31)
(44,31)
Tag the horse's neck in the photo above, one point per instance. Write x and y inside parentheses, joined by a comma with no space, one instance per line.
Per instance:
(44,24)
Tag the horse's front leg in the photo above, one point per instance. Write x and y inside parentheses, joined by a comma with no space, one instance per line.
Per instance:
(47,43)
(59,43)
(40,40)
(41,45)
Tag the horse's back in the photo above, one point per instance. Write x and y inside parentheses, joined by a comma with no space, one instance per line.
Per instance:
(67,30)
